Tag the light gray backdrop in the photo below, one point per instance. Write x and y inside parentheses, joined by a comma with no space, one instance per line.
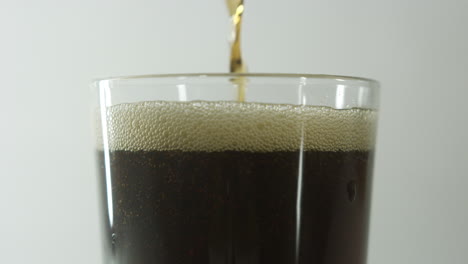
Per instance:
(51,49)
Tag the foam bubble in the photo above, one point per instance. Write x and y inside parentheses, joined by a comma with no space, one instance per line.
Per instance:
(220,126)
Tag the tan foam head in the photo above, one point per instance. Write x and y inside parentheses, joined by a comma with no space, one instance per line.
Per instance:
(220,126)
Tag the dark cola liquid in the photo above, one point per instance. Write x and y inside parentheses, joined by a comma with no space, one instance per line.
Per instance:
(238,207)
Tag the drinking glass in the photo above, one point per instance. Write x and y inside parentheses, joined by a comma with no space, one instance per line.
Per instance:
(190,174)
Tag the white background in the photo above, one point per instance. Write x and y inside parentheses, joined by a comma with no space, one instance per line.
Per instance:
(51,49)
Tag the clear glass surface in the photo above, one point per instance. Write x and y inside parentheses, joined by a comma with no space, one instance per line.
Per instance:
(339,92)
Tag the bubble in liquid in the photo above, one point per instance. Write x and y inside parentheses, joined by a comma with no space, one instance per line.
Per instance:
(352,190)
(113,237)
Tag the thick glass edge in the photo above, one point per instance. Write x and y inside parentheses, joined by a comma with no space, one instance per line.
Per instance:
(373,84)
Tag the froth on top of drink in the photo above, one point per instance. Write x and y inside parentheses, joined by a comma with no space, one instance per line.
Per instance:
(234,126)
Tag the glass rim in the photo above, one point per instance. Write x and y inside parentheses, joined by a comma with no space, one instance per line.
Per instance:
(373,84)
